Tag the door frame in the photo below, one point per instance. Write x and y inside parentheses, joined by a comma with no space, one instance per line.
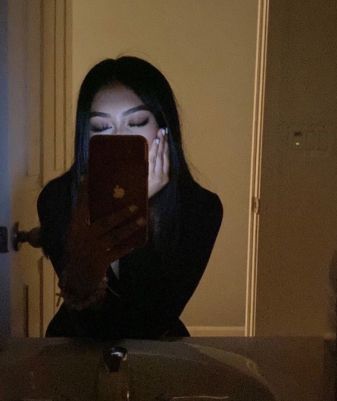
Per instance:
(4,173)
(255,169)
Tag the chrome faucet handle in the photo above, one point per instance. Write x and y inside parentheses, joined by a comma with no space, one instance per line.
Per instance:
(113,357)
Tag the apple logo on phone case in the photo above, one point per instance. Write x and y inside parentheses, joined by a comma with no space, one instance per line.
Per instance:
(118,192)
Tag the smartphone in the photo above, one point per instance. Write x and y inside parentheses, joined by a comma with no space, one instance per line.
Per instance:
(118,178)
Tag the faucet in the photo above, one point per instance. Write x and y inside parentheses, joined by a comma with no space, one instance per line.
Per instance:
(113,358)
(113,375)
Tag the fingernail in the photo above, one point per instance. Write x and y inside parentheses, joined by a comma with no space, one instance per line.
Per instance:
(157,140)
(164,131)
(141,222)
(133,208)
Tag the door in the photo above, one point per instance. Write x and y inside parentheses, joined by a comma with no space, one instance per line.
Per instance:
(298,229)
(33,150)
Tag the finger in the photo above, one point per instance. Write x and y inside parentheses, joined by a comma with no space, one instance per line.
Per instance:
(153,154)
(116,245)
(159,160)
(116,253)
(166,158)
(108,223)
(119,235)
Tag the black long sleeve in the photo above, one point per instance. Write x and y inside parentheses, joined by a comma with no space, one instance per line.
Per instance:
(154,287)
(159,287)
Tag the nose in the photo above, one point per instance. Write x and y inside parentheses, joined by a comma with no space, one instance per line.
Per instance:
(122,131)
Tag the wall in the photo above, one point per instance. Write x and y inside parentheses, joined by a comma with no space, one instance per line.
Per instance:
(299,194)
(207,51)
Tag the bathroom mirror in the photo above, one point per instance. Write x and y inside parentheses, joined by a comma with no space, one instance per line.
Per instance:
(227,89)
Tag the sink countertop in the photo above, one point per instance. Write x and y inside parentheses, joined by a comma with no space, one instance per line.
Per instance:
(297,368)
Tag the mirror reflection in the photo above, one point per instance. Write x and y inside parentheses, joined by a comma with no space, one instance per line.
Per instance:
(255,91)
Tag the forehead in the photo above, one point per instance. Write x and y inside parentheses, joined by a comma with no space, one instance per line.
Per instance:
(115,96)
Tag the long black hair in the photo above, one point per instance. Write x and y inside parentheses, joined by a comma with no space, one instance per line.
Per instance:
(150,85)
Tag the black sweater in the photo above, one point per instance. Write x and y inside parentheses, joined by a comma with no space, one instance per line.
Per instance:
(153,288)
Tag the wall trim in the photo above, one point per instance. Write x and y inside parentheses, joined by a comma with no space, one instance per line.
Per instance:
(256,159)
(216,331)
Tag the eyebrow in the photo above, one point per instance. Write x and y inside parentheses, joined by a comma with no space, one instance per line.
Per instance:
(125,113)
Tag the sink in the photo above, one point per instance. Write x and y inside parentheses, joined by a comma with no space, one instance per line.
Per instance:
(181,371)
(64,370)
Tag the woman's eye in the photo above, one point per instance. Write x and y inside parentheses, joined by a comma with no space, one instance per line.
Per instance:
(101,128)
(141,123)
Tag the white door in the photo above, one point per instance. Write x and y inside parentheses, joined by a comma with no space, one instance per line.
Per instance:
(33,150)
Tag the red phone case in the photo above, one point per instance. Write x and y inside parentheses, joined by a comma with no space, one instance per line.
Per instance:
(118,178)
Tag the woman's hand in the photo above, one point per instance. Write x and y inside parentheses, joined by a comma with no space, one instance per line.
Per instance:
(159,164)
(90,248)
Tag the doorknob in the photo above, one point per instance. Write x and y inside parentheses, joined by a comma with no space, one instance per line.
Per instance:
(19,237)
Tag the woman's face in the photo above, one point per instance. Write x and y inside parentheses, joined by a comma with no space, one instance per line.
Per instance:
(118,110)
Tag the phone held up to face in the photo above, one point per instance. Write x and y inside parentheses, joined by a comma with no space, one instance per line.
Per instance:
(118,179)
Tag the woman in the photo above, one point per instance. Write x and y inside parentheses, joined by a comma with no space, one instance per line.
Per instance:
(128,293)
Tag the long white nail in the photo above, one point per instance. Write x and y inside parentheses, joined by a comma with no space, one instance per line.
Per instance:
(157,141)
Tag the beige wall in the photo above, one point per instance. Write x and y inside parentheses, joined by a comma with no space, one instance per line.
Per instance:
(207,51)
(299,191)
